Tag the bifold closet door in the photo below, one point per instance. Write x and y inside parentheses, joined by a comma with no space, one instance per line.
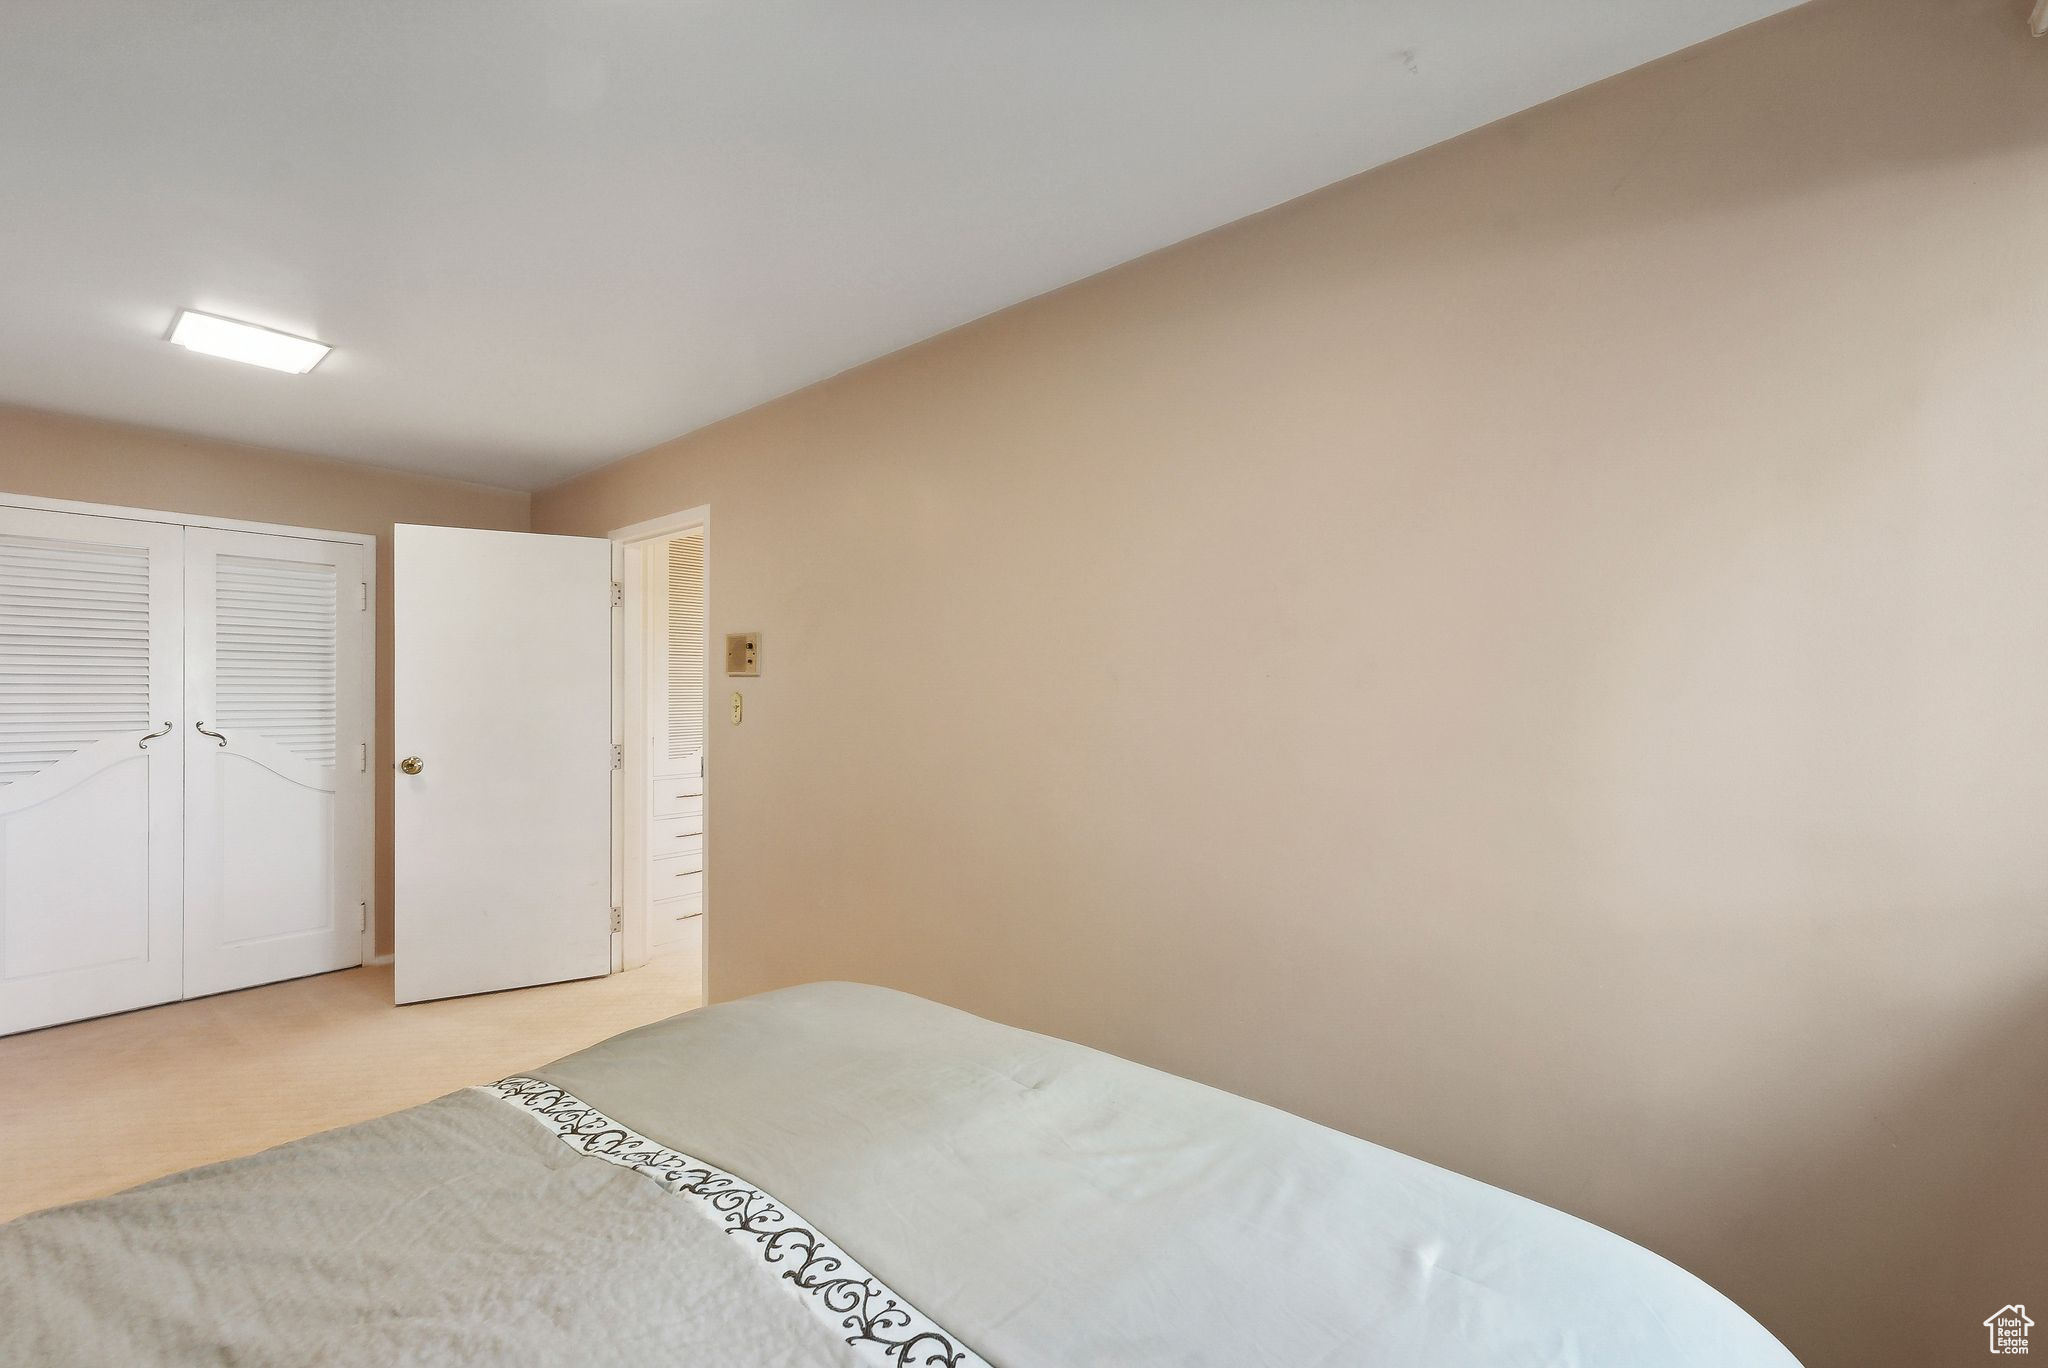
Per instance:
(277,784)
(91,851)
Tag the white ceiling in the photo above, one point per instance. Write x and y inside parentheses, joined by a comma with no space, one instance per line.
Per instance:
(542,235)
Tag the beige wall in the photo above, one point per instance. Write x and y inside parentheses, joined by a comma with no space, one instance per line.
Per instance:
(59,457)
(1537,656)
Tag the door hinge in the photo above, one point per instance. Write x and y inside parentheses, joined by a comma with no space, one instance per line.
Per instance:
(364,586)
(618,594)
(362,916)
(618,919)
(618,757)
(363,756)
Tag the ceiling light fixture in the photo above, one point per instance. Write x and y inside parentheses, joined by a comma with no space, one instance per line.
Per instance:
(238,341)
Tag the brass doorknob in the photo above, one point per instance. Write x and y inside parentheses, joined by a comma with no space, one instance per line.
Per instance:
(412,764)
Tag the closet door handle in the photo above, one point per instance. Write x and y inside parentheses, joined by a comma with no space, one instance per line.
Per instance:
(164,730)
(200,727)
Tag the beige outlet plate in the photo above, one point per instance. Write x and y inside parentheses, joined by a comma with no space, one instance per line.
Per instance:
(743,653)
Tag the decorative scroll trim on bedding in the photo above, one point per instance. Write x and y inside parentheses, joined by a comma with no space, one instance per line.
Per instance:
(879,1325)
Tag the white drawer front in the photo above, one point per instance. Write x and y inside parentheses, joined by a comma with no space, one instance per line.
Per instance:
(676,879)
(677,909)
(675,797)
(666,831)
(675,924)
(686,858)
(683,844)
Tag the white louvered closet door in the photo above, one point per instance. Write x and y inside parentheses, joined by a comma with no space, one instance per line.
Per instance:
(90,801)
(276,742)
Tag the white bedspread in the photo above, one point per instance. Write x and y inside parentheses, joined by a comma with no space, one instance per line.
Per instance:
(1056,1207)
(842,1175)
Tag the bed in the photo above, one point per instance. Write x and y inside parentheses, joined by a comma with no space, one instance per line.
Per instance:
(838,1174)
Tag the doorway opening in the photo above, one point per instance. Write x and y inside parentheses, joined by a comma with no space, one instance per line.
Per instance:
(663,568)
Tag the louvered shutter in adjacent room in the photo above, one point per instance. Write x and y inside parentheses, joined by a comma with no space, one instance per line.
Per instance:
(685,639)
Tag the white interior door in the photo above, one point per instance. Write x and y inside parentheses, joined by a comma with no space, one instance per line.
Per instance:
(277,784)
(90,767)
(502,691)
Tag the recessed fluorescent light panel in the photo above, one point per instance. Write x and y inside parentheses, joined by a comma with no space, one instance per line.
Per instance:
(239,341)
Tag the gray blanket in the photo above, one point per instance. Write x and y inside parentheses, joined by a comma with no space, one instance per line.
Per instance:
(1044,1204)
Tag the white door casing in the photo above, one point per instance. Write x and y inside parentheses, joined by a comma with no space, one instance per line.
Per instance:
(502,689)
(91,854)
(277,785)
(616,803)
(665,852)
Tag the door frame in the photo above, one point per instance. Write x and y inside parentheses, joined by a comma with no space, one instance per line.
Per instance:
(630,732)
(368,681)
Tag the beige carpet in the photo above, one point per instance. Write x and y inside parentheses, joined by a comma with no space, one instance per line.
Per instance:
(98,1106)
